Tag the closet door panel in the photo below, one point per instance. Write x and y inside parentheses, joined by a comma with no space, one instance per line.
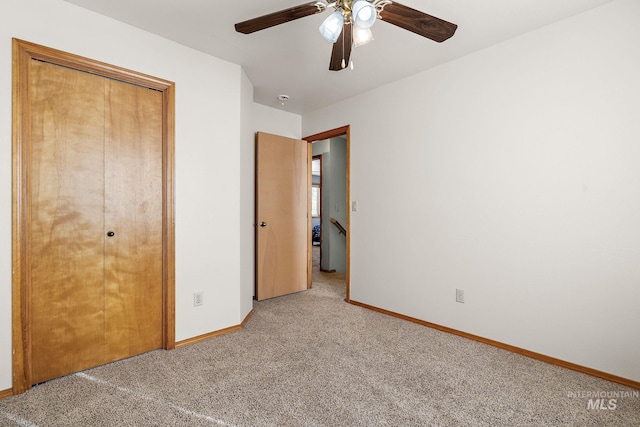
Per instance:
(133,213)
(66,212)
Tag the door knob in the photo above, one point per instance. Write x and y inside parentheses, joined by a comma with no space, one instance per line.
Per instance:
(263,224)
(110,233)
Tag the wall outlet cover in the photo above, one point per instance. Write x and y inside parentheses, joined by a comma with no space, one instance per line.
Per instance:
(197,299)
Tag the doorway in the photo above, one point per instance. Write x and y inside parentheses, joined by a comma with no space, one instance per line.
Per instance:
(334,209)
(316,210)
(89,226)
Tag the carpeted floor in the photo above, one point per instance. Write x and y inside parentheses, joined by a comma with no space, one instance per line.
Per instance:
(310,359)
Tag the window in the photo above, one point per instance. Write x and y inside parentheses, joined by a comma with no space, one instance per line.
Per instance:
(315,201)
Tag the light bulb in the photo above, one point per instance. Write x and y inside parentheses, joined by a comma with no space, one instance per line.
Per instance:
(361,36)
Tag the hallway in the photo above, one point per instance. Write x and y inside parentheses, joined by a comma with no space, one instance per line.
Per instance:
(333,279)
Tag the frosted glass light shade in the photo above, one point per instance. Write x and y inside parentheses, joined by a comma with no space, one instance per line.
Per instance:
(361,36)
(332,27)
(363,14)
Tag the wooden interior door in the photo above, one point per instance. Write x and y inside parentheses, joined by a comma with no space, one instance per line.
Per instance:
(133,213)
(95,168)
(283,231)
(66,221)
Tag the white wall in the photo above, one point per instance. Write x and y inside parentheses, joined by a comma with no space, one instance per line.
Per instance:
(208,162)
(513,174)
(247,199)
(338,204)
(277,122)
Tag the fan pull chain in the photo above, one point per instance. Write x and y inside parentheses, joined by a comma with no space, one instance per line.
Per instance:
(343,65)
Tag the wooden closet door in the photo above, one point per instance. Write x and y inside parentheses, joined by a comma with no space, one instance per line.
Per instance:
(66,209)
(95,169)
(133,212)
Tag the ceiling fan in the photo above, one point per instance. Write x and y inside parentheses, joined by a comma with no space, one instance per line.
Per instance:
(350,23)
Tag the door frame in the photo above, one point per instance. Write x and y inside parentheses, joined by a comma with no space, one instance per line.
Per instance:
(341,131)
(23,53)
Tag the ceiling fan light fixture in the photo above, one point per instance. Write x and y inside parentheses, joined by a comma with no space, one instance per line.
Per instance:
(350,16)
(363,14)
(332,26)
(361,36)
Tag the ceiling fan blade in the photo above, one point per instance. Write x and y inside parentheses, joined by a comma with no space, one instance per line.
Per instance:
(418,22)
(341,50)
(280,17)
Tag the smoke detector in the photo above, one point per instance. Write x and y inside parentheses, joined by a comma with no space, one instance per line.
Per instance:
(283,98)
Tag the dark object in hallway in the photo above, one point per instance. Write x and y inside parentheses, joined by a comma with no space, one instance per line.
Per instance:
(315,234)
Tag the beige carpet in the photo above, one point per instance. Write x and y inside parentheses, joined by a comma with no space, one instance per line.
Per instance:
(310,359)
(321,277)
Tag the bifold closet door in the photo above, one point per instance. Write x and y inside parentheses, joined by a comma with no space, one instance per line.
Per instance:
(94,247)
(133,213)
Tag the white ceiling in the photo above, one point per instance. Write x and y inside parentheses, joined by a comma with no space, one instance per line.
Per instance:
(293,58)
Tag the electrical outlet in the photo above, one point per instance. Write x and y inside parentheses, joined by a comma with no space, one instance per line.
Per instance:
(459,295)
(197,299)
